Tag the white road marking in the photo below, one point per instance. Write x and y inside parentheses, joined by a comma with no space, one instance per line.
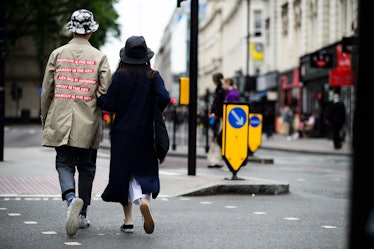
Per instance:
(259,212)
(49,232)
(206,202)
(14,214)
(329,226)
(168,173)
(72,243)
(30,222)
(32,198)
(291,218)
(103,155)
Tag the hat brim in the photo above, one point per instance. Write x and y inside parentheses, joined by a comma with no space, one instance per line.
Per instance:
(137,61)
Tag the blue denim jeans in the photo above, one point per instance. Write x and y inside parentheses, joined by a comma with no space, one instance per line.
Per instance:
(68,160)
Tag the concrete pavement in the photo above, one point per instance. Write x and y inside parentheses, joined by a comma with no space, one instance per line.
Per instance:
(322,146)
(30,171)
(209,183)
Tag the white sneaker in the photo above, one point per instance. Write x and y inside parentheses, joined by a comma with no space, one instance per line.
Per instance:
(72,221)
(83,222)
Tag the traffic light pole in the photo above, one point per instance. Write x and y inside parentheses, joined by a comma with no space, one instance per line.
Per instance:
(192,107)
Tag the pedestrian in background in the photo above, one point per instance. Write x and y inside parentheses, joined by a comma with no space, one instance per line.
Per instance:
(231,92)
(288,118)
(134,167)
(269,121)
(70,118)
(336,119)
(215,116)
(231,95)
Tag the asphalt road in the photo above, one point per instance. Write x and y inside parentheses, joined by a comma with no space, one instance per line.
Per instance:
(313,215)
(266,222)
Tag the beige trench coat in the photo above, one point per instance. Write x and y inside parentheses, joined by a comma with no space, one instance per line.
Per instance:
(69,113)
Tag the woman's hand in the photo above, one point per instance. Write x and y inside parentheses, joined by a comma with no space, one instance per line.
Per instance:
(98,94)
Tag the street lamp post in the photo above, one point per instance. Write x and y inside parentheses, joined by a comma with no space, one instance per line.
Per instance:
(192,107)
(247,38)
(2,76)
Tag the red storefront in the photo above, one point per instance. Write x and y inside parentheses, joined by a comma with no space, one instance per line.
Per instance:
(323,73)
(290,94)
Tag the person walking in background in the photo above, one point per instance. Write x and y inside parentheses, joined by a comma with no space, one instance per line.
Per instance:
(269,120)
(231,95)
(215,115)
(71,120)
(231,92)
(134,167)
(287,116)
(336,119)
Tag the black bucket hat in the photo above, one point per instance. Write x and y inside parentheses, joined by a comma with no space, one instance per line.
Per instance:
(136,51)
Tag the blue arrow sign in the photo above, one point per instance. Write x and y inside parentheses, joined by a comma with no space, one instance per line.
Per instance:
(237,117)
(254,121)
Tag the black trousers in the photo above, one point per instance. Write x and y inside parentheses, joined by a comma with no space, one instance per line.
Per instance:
(337,136)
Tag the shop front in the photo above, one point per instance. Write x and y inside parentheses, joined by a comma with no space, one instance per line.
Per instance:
(323,73)
(265,99)
(290,95)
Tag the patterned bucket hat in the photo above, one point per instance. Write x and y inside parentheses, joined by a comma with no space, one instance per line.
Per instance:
(82,22)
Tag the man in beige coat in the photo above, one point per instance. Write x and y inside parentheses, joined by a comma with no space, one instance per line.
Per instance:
(71,120)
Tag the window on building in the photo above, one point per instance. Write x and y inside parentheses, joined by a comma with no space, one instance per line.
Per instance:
(312,19)
(258,22)
(267,30)
(284,19)
(297,13)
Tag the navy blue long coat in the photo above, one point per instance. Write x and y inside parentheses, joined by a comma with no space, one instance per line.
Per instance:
(132,142)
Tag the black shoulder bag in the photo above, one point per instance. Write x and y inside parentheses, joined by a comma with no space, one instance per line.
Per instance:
(161,136)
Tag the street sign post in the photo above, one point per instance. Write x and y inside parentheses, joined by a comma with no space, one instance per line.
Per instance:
(235,136)
(254,131)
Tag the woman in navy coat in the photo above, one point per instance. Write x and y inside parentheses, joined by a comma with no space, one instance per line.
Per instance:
(133,175)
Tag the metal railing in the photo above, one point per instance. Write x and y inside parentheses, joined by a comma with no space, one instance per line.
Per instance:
(176,120)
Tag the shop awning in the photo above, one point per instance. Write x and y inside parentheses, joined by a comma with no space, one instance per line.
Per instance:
(257,96)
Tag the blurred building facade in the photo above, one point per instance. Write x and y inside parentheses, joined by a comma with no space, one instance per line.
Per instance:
(22,83)
(280,52)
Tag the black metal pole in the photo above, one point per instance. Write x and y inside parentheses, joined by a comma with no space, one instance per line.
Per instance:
(2,76)
(206,121)
(174,113)
(362,205)
(248,37)
(192,107)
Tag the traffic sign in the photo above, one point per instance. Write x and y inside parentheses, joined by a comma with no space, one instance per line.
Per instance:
(235,135)
(254,131)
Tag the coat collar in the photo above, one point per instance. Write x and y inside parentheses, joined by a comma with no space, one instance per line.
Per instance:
(79,41)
